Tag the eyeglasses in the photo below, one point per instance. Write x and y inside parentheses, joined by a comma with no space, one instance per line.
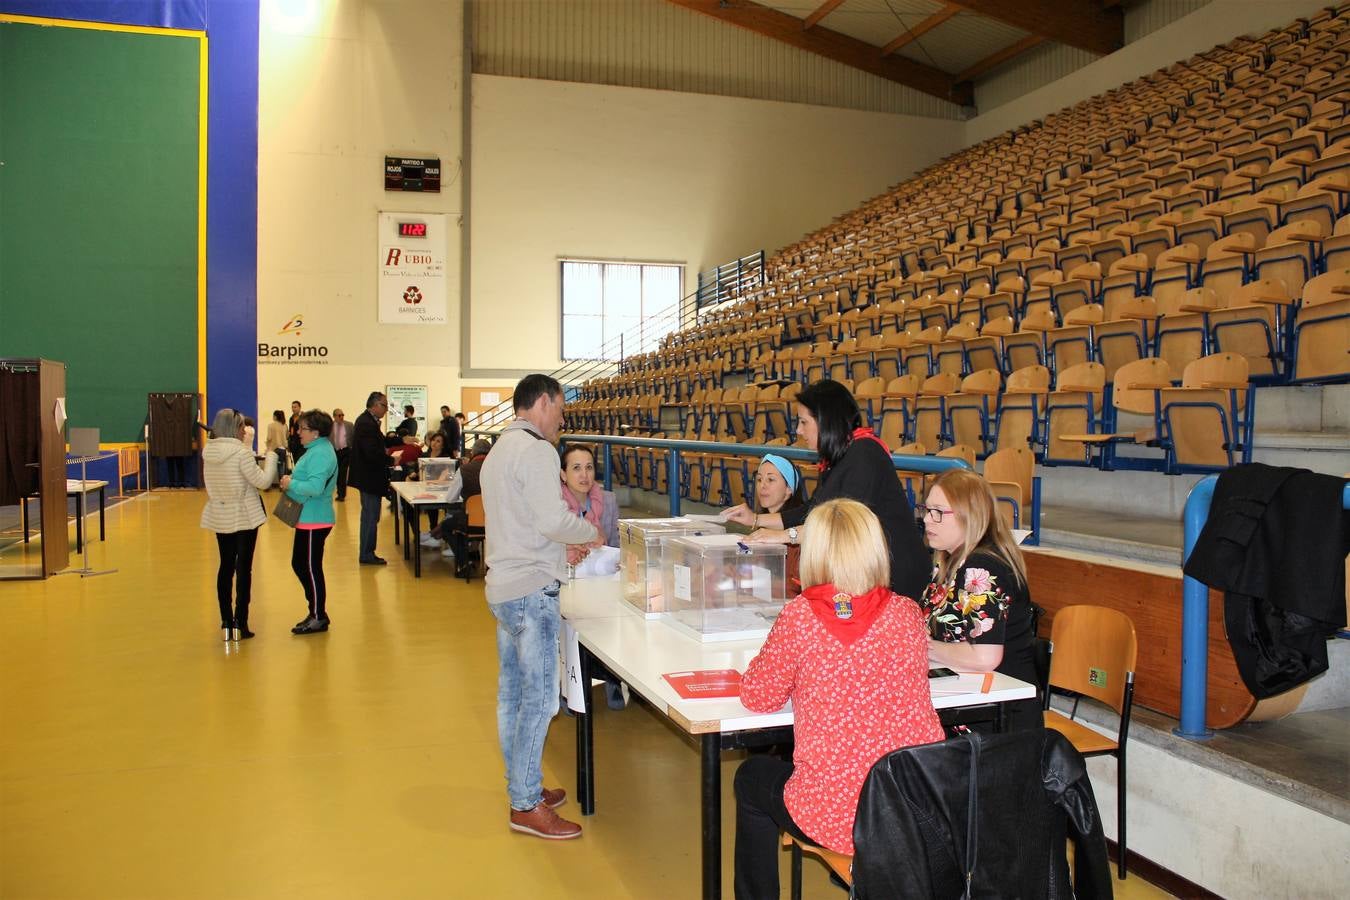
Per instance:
(933,512)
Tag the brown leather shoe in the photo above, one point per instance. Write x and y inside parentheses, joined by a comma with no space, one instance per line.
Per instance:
(545,823)
(554,797)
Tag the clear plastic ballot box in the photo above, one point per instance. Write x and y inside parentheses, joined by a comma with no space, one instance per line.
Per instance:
(721,589)
(640,557)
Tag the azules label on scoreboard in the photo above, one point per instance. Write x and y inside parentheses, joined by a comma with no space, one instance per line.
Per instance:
(412,279)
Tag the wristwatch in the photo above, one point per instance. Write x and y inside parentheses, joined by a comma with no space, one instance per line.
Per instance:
(792,535)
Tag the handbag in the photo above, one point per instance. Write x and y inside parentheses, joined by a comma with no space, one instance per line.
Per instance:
(288,510)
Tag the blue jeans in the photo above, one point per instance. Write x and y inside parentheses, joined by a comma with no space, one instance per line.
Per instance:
(370,522)
(527,689)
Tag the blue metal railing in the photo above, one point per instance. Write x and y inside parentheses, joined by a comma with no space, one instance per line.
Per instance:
(1195,617)
(719,284)
(924,464)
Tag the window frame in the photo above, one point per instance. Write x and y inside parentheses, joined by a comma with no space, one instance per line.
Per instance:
(562,299)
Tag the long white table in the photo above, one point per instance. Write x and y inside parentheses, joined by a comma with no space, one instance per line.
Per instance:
(640,650)
(411,497)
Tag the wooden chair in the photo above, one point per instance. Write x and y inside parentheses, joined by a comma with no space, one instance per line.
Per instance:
(930,408)
(1094,656)
(472,539)
(839,864)
(970,410)
(1134,391)
(1020,406)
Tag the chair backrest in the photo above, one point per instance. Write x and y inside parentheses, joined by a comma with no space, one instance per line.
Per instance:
(1221,369)
(1094,649)
(473,512)
(1087,376)
(1322,289)
(1134,384)
(1029,379)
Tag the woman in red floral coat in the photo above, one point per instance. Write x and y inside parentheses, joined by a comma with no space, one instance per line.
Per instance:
(851,655)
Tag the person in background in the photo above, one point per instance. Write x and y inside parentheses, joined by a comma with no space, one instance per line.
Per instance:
(370,474)
(529,531)
(234,511)
(436,446)
(293,442)
(438,424)
(276,439)
(341,439)
(452,428)
(459,421)
(409,424)
(778,485)
(406,454)
(311,484)
(587,498)
(978,606)
(854,463)
(465,483)
(851,655)
(250,436)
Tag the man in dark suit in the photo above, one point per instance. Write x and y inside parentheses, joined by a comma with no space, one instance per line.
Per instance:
(369,473)
(293,443)
(341,439)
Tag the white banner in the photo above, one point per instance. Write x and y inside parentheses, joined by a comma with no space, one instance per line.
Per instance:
(412,279)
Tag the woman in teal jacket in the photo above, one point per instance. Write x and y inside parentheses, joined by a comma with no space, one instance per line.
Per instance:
(311,484)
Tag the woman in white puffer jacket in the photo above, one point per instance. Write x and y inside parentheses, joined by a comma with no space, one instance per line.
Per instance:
(234,511)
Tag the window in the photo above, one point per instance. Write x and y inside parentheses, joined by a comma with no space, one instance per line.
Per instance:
(613,310)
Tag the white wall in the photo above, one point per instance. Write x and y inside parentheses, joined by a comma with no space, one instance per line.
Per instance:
(563,169)
(1215,23)
(342,83)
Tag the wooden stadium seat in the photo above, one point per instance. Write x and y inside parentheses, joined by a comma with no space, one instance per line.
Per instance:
(1073,407)
(1020,406)
(969,411)
(1206,425)
(1009,473)
(1321,340)
(897,410)
(1072,343)
(930,408)
(1134,392)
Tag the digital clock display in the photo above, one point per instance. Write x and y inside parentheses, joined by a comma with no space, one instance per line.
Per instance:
(412,229)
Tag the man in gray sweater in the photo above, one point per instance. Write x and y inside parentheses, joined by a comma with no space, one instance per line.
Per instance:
(528,532)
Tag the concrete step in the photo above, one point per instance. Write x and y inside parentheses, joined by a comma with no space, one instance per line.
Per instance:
(1320,451)
(1142,538)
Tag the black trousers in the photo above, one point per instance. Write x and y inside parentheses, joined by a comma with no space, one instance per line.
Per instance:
(307,563)
(235,575)
(344,459)
(760,816)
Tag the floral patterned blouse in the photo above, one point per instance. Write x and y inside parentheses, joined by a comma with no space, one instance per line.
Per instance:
(984,604)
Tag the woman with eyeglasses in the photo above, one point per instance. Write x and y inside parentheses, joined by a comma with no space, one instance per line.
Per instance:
(312,485)
(234,511)
(978,605)
(854,463)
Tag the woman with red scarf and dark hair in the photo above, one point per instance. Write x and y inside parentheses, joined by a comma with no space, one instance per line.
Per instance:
(852,656)
(854,463)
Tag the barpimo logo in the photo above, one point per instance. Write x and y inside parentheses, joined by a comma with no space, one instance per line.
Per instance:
(312,354)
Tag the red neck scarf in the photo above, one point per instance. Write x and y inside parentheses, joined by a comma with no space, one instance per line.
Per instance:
(844,615)
(859,434)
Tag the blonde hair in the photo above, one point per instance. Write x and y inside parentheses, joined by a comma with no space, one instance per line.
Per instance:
(972,500)
(844,546)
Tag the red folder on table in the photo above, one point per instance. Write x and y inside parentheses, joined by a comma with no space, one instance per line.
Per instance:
(705,684)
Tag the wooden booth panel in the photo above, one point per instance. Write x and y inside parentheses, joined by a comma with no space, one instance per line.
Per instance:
(52,466)
(1153,603)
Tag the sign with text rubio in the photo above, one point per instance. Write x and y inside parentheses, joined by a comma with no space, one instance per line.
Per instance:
(412,288)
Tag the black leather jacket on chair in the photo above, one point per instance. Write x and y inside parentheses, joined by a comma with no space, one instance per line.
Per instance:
(916,836)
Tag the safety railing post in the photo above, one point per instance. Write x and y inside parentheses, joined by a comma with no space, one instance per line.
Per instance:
(673,480)
(607,458)
(1195,621)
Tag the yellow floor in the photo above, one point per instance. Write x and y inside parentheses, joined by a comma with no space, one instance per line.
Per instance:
(140,757)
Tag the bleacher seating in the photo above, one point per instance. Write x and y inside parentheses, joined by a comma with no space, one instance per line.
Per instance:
(1037,290)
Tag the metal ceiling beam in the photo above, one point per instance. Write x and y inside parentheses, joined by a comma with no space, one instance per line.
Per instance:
(1002,56)
(831,44)
(922,28)
(821,12)
(1078,23)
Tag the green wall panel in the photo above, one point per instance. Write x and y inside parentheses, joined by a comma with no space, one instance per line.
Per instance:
(98,214)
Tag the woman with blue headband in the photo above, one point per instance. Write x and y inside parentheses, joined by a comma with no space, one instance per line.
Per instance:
(778,485)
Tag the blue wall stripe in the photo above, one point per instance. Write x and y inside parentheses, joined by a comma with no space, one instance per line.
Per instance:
(232,171)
